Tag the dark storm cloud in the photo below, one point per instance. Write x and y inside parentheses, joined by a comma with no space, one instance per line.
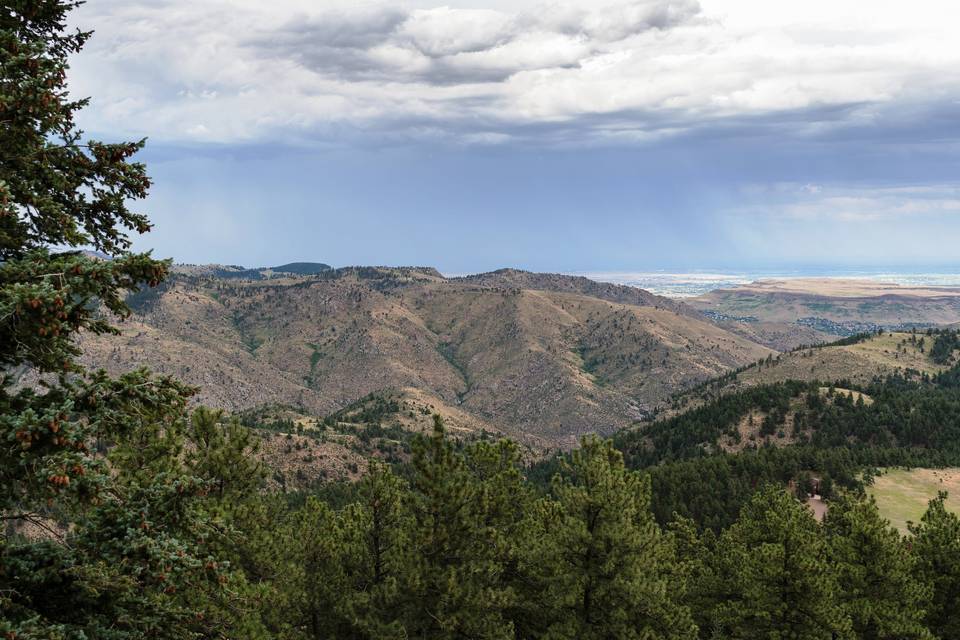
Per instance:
(451,46)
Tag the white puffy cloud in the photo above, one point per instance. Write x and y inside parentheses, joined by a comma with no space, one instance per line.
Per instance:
(562,71)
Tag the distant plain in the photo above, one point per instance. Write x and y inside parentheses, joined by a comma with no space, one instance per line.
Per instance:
(694,283)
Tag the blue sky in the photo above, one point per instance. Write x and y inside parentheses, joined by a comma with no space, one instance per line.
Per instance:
(573,136)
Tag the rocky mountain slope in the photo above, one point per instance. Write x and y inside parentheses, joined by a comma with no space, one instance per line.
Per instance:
(543,358)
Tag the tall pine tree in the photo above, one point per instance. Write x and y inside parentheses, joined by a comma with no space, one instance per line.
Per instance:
(456,584)
(879,585)
(936,546)
(600,564)
(377,555)
(89,549)
(776,576)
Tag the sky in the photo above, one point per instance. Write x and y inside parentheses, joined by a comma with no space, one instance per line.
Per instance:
(554,136)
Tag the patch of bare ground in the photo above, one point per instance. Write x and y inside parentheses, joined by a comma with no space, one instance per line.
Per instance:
(819,506)
(856,396)
(416,408)
(298,462)
(750,431)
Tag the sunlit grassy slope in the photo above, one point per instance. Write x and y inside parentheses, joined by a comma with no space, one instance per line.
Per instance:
(902,495)
(879,355)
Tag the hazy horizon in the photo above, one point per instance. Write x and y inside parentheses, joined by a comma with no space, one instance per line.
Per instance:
(681,283)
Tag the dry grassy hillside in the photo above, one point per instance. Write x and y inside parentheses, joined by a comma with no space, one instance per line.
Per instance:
(544,363)
(877,356)
(780,336)
(577,284)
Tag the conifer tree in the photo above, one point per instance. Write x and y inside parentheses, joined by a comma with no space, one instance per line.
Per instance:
(600,561)
(879,585)
(455,587)
(266,546)
(777,579)
(118,555)
(503,502)
(696,554)
(936,546)
(223,454)
(317,580)
(377,531)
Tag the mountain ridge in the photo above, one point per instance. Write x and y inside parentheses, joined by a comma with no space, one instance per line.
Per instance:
(544,358)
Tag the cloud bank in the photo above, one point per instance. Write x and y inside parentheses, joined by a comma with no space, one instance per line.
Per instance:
(813,203)
(624,71)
